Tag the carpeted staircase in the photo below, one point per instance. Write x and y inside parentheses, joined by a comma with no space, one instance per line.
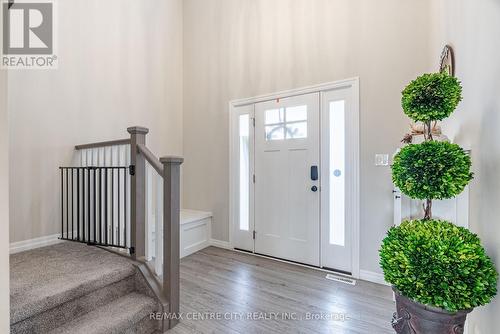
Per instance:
(73,288)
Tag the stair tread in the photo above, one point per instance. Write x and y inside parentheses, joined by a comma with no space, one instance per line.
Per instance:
(115,317)
(44,278)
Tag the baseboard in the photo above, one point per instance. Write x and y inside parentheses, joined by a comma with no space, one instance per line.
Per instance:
(373,277)
(220,244)
(21,246)
(196,247)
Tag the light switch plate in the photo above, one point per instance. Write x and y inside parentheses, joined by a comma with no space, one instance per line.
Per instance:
(381,159)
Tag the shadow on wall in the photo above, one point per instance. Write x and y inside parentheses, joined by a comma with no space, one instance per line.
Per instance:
(489,176)
(488,195)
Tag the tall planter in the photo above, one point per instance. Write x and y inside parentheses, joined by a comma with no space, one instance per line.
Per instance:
(439,271)
(412,317)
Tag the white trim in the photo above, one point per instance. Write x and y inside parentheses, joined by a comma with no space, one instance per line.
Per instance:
(294,92)
(373,277)
(21,246)
(294,263)
(232,169)
(221,244)
(234,173)
(356,183)
(189,215)
(350,82)
(193,225)
(198,246)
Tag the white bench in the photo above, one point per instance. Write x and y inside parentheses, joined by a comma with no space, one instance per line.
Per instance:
(195,231)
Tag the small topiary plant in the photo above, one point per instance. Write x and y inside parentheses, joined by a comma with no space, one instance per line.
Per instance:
(431,170)
(431,97)
(438,263)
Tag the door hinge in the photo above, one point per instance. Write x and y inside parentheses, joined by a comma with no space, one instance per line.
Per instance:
(254,234)
(253,178)
(131,170)
(253,121)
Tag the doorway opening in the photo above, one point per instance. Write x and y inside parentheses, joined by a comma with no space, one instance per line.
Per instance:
(294,175)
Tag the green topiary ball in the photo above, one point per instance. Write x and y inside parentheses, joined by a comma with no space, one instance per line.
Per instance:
(431,170)
(438,263)
(431,97)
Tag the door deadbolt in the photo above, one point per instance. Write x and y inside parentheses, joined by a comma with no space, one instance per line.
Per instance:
(314,188)
(314,173)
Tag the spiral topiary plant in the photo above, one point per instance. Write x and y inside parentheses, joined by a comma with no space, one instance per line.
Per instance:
(438,263)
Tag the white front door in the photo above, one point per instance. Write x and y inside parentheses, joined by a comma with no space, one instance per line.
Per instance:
(287,196)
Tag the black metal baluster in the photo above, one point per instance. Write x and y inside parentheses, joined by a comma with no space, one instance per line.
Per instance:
(100,205)
(72,206)
(119,211)
(62,204)
(67,205)
(95,204)
(112,206)
(88,205)
(106,206)
(78,204)
(125,207)
(84,200)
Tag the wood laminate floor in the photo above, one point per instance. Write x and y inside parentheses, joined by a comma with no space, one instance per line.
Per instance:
(230,292)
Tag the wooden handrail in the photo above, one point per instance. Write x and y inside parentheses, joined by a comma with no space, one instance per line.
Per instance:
(103,144)
(169,169)
(150,157)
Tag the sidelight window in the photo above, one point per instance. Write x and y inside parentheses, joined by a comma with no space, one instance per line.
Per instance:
(337,172)
(244,144)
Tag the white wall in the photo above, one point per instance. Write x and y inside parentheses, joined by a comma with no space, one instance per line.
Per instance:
(243,48)
(472,28)
(120,64)
(4,206)
(4,201)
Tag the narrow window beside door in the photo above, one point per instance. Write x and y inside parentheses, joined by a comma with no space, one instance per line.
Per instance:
(337,173)
(244,131)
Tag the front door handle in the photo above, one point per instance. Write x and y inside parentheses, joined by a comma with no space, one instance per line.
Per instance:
(314,173)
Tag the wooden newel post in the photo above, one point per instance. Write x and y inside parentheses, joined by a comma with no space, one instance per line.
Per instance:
(171,233)
(137,193)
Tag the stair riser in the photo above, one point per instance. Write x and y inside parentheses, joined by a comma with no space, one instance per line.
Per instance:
(128,314)
(58,316)
(145,326)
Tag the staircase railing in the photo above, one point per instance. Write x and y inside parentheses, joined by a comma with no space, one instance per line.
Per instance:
(168,167)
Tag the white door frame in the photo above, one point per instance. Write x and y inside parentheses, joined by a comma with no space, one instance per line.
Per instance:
(352,83)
